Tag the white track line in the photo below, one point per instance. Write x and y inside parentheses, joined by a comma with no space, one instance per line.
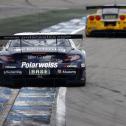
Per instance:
(61,98)
(78,30)
(61,107)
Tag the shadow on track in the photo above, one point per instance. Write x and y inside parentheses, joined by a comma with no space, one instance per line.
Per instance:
(108,34)
(25,83)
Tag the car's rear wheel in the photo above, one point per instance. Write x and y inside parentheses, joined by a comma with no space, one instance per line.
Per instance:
(78,83)
(83,82)
(87,34)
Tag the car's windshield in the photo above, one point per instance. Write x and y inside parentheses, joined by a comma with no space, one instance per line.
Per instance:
(110,10)
(39,43)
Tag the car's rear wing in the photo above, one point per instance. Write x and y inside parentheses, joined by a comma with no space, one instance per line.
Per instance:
(104,7)
(45,36)
(41,36)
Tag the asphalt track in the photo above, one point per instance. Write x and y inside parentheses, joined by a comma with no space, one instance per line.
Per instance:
(103,101)
(10,8)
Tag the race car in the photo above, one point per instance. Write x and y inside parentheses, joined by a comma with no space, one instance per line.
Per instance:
(108,20)
(36,59)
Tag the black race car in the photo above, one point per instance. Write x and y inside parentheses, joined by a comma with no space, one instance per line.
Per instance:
(44,60)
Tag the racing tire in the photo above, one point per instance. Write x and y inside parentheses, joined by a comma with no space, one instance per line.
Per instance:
(83,82)
(80,83)
(87,35)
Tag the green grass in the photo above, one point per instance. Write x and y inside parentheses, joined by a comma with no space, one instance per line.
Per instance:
(38,21)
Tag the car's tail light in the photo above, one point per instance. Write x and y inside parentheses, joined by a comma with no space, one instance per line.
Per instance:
(122,17)
(71,58)
(91,18)
(7,58)
(98,17)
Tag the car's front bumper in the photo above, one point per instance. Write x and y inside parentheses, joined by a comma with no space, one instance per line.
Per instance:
(108,33)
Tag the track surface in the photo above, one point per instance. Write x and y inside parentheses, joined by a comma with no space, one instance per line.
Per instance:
(103,101)
(10,8)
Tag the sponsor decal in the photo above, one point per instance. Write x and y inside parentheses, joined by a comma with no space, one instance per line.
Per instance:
(82,65)
(48,36)
(66,72)
(73,66)
(10,67)
(39,65)
(39,72)
(12,72)
(39,49)
(39,57)
(69,72)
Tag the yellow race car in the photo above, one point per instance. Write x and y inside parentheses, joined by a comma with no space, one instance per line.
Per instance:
(107,20)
